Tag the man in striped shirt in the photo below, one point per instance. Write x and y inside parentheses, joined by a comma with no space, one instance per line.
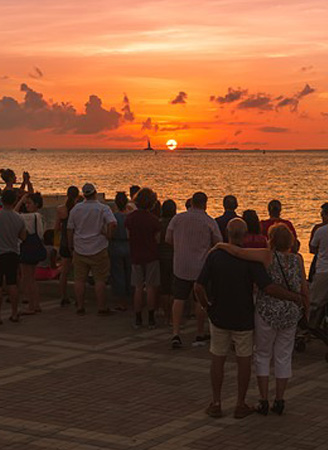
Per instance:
(192,234)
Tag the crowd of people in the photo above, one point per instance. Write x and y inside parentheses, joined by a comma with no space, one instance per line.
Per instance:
(245,275)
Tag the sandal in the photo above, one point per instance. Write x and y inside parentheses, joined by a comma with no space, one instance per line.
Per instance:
(262,407)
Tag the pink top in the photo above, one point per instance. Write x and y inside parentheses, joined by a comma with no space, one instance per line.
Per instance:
(255,241)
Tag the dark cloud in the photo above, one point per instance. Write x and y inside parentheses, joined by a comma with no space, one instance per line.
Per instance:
(237,132)
(224,142)
(232,96)
(324,114)
(306,68)
(4,77)
(253,143)
(273,129)
(127,113)
(36,74)
(305,91)
(293,101)
(149,125)
(183,126)
(181,98)
(36,113)
(257,101)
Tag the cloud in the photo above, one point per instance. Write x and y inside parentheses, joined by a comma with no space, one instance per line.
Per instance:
(305,91)
(324,114)
(149,125)
(237,132)
(306,68)
(4,77)
(257,101)
(35,113)
(273,129)
(127,113)
(183,126)
(293,101)
(232,96)
(181,98)
(37,74)
(253,143)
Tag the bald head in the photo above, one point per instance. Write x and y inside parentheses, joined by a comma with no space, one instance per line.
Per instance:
(237,229)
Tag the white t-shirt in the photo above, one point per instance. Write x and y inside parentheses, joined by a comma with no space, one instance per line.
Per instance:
(89,221)
(320,241)
(29,219)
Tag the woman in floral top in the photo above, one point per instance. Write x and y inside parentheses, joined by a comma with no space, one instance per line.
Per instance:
(275,320)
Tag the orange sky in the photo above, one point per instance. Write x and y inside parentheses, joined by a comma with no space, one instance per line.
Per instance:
(216,73)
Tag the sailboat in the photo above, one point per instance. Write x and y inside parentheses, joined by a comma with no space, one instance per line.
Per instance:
(149,147)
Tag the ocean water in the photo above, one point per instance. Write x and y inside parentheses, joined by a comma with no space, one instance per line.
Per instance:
(298,180)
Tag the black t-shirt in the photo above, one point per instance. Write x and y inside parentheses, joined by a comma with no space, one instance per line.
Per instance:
(229,282)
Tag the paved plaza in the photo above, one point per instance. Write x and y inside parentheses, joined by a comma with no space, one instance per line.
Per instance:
(92,383)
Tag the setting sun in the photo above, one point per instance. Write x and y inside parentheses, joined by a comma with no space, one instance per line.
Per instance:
(171,144)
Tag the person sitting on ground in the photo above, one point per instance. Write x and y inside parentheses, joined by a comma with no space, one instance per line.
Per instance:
(324,221)
(230,205)
(143,231)
(89,228)
(63,212)
(274,208)
(48,269)
(119,250)
(230,306)
(253,238)
(276,318)
(32,203)
(319,285)
(13,230)
(169,210)
(192,234)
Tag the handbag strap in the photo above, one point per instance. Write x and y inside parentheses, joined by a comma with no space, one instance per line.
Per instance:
(282,271)
(35,223)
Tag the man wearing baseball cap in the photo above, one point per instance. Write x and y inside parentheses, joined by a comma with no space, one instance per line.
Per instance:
(89,229)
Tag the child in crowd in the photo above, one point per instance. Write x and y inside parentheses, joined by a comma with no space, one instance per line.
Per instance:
(48,269)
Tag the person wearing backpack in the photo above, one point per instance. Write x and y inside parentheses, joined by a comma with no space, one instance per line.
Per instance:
(12,229)
(32,249)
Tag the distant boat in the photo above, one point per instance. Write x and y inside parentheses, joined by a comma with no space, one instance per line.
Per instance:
(149,147)
(33,149)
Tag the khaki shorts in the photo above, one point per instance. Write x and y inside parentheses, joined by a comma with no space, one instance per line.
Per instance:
(221,341)
(98,264)
(146,274)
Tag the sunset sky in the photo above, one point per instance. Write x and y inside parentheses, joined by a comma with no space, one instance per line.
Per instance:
(210,73)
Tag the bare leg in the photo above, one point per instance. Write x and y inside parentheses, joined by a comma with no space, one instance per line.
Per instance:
(13,295)
(34,290)
(217,375)
(177,312)
(79,288)
(100,289)
(263,385)
(27,286)
(151,297)
(281,384)
(138,299)
(66,266)
(244,375)
(200,315)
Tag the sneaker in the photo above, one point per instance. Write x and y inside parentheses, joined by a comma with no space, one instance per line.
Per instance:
(243,411)
(214,410)
(200,341)
(176,342)
(278,407)
(262,407)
